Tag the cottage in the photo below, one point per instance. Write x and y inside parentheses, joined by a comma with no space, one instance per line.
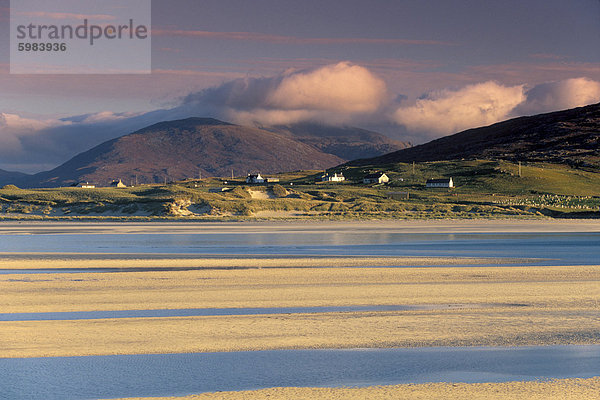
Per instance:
(118,184)
(378,177)
(86,185)
(335,177)
(440,183)
(255,178)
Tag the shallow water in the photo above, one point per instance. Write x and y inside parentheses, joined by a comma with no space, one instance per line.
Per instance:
(209,312)
(181,374)
(560,248)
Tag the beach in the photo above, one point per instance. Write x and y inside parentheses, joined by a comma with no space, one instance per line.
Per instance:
(451,302)
(571,389)
(467,306)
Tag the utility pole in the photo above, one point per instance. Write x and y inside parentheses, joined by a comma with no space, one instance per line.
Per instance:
(199,174)
(413,167)
(520,175)
(231,173)
(136,181)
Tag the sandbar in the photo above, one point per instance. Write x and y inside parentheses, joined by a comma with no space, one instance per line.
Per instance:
(575,389)
(501,306)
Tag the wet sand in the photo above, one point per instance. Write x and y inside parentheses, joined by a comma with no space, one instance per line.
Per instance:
(23,261)
(567,389)
(500,306)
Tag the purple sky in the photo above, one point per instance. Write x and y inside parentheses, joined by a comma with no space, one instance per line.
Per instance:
(415,70)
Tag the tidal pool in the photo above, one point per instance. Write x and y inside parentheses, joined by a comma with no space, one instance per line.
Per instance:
(209,312)
(181,374)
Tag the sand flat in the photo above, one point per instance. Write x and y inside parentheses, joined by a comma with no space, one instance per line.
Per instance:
(500,306)
(551,286)
(137,261)
(567,389)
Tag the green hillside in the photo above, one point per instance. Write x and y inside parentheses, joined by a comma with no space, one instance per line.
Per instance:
(484,189)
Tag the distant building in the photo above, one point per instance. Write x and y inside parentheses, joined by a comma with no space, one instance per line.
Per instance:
(86,185)
(378,177)
(440,183)
(118,184)
(335,177)
(255,178)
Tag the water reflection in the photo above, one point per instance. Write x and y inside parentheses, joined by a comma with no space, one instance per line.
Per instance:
(181,374)
(572,248)
(204,312)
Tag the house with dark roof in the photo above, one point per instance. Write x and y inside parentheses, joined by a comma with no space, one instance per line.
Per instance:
(335,177)
(440,183)
(255,178)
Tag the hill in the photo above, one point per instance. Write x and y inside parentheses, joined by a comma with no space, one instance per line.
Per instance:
(345,142)
(569,137)
(176,150)
(484,189)
(8,177)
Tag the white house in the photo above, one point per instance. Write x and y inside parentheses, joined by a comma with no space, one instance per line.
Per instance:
(378,177)
(255,178)
(118,184)
(86,185)
(440,183)
(335,177)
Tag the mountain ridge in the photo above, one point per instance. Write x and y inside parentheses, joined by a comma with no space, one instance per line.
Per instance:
(187,148)
(343,141)
(564,137)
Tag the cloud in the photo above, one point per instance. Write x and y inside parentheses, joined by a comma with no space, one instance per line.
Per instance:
(36,145)
(339,92)
(281,39)
(562,95)
(336,93)
(449,111)
(14,127)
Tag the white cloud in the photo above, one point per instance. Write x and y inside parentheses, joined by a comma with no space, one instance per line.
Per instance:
(562,95)
(16,122)
(107,116)
(13,128)
(338,92)
(341,87)
(450,111)
(341,93)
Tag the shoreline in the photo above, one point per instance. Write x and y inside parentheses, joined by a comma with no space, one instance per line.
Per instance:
(307,226)
(175,262)
(564,389)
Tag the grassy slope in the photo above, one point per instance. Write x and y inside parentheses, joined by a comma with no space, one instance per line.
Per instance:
(484,189)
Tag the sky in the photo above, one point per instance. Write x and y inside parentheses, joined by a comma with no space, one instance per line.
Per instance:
(415,70)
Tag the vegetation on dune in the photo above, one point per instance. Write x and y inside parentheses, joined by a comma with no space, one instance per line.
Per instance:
(484,189)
